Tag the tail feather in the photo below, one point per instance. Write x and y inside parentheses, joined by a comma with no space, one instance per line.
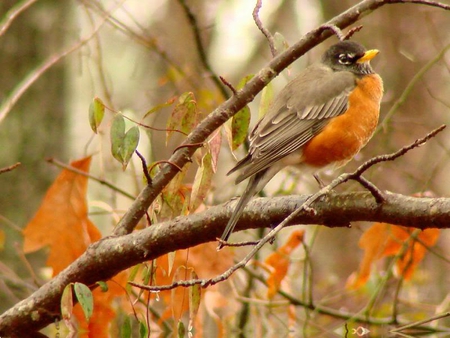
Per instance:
(255,184)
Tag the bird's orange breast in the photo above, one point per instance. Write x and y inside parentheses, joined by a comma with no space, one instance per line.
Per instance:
(345,135)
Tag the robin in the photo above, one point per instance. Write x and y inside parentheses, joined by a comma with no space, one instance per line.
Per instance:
(321,119)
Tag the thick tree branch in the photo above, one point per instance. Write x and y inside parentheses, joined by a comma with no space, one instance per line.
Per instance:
(104,259)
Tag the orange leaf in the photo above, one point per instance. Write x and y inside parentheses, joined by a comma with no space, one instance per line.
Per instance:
(193,258)
(279,261)
(383,240)
(415,252)
(61,221)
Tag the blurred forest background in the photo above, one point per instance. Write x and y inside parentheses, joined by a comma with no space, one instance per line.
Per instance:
(136,55)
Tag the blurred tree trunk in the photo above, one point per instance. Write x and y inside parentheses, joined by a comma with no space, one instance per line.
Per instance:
(35,128)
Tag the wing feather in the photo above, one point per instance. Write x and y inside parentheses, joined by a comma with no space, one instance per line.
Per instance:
(296,117)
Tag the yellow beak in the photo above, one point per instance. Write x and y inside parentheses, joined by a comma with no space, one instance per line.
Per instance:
(369,55)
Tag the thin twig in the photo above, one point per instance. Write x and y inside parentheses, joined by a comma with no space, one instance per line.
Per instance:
(34,75)
(229,85)
(143,38)
(27,264)
(201,49)
(10,168)
(264,30)
(352,31)
(197,145)
(372,188)
(99,180)
(421,322)
(397,154)
(407,91)
(11,15)
(144,167)
(236,244)
(425,2)
(165,161)
(336,31)
(147,177)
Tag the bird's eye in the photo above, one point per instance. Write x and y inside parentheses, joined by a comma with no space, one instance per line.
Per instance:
(345,59)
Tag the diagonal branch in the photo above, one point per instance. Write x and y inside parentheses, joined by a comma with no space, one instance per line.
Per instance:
(230,107)
(201,49)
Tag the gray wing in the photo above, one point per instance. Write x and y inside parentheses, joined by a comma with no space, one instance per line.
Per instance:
(296,117)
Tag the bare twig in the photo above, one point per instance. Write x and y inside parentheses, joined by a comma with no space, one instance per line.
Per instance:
(421,322)
(144,167)
(236,244)
(397,154)
(92,177)
(10,16)
(407,91)
(196,145)
(424,2)
(34,75)
(229,85)
(372,188)
(352,31)
(164,161)
(264,30)
(201,49)
(336,31)
(10,168)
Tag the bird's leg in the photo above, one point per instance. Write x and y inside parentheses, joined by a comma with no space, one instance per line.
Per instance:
(319,181)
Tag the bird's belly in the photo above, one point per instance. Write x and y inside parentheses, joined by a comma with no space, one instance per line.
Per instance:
(345,135)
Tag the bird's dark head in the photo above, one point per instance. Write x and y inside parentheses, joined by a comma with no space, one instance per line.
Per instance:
(349,56)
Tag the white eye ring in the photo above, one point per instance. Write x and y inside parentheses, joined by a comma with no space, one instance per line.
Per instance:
(345,59)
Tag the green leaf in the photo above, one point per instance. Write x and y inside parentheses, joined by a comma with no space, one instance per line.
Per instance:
(190,118)
(195,293)
(123,145)
(159,107)
(143,329)
(239,127)
(130,143)
(96,113)
(125,330)
(103,286)
(181,330)
(117,135)
(184,115)
(202,182)
(67,302)
(131,277)
(84,296)
(244,81)
(281,43)
(266,100)
(215,145)
(173,196)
